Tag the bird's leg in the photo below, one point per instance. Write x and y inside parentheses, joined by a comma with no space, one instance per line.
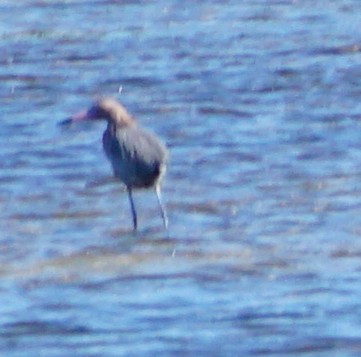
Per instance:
(132,207)
(162,209)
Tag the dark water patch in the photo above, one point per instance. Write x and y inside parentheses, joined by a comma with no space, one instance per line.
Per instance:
(19,77)
(165,109)
(76,58)
(315,345)
(54,215)
(269,89)
(208,208)
(207,110)
(41,328)
(256,316)
(140,81)
(337,50)
(287,72)
(345,253)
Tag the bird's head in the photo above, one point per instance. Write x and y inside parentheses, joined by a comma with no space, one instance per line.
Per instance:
(104,109)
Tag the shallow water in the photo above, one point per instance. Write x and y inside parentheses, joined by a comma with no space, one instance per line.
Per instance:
(258,102)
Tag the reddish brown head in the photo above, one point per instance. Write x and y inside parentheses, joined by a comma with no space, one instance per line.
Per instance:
(107,109)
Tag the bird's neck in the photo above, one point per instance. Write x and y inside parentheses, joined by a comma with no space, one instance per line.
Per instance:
(119,117)
(114,125)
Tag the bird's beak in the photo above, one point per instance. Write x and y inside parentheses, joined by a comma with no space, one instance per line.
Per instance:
(84,115)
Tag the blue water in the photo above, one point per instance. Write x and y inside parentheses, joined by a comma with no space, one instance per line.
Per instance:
(259,104)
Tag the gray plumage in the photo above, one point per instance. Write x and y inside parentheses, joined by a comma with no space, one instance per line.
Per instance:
(138,158)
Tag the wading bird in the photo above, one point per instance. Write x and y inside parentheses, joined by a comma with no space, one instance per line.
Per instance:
(138,157)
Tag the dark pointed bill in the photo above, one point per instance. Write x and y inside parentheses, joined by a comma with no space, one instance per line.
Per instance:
(77,117)
(67,121)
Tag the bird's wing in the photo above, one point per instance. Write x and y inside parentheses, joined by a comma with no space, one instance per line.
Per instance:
(141,145)
(137,156)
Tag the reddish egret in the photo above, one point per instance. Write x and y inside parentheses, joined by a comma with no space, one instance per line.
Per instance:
(137,156)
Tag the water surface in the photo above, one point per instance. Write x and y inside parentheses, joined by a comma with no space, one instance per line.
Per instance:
(258,102)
